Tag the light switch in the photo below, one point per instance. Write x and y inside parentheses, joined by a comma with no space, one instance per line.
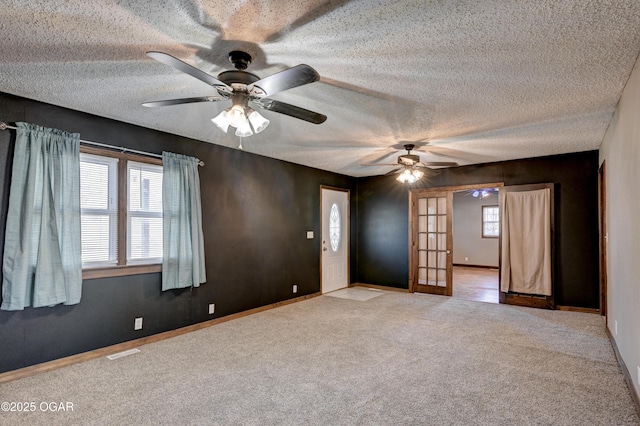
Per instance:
(309,235)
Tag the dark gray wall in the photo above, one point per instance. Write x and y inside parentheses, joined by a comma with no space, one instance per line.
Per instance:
(383,220)
(256,213)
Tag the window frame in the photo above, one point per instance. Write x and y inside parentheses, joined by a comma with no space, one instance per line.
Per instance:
(121,268)
(482,221)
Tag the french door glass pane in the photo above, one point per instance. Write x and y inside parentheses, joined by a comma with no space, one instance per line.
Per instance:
(422,241)
(442,223)
(432,258)
(422,276)
(422,224)
(432,242)
(432,224)
(432,276)
(442,259)
(432,206)
(422,258)
(422,206)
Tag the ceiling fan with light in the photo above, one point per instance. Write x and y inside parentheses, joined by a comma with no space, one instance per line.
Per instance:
(411,168)
(246,91)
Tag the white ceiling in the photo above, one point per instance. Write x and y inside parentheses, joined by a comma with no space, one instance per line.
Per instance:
(481,80)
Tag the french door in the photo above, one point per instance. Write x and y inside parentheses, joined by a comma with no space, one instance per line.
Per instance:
(431,242)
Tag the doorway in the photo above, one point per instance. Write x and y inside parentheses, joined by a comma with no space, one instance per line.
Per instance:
(431,247)
(334,254)
(476,226)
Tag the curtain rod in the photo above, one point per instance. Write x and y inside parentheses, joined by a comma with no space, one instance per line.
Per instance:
(4,126)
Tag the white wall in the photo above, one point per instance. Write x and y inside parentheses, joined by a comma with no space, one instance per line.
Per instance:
(467,231)
(621,150)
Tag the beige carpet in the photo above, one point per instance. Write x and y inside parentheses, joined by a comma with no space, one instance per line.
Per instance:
(394,359)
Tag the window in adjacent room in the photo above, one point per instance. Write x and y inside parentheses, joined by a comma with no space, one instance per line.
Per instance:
(490,222)
(121,209)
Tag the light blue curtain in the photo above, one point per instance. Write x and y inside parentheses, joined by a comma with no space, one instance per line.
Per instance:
(42,263)
(183,257)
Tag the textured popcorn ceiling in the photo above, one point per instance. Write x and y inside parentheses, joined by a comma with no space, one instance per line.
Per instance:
(481,80)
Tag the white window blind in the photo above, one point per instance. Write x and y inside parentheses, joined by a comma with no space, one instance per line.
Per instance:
(99,210)
(144,213)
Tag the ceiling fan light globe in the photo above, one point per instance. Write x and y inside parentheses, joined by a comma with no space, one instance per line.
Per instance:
(221,121)
(258,122)
(244,129)
(405,176)
(417,174)
(236,116)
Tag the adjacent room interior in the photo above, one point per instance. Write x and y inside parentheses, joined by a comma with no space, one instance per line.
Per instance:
(475,244)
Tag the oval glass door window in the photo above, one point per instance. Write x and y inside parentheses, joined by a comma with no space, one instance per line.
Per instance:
(334,227)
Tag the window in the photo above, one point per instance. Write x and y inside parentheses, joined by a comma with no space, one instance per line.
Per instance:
(334,227)
(99,210)
(490,222)
(144,213)
(121,213)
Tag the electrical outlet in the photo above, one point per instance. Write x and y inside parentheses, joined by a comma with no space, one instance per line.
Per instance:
(212,308)
(615,327)
(309,235)
(466,259)
(638,374)
(295,288)
(137,324)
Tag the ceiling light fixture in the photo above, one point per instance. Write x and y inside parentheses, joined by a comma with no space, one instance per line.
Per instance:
(482,193)
(410,175)
(240,116)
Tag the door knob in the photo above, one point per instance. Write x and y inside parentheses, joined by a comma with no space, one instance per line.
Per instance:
(448,251)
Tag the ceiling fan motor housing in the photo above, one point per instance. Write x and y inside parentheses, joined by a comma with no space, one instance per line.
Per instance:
(408,159)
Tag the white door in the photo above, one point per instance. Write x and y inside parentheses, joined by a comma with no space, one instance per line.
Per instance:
(335,240)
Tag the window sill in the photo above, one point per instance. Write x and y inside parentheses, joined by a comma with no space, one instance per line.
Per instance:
(120,271)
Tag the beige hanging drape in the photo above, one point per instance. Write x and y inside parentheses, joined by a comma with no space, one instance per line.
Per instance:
(526,242)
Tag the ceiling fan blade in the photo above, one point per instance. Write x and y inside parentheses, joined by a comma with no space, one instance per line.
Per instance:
(379,164)
(393,172)
(291,110)
(284,80)
(437,164)
(382,157)
(179,65)
(169,102)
